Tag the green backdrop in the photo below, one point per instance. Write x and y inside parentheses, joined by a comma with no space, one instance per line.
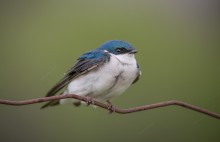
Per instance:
(179,55)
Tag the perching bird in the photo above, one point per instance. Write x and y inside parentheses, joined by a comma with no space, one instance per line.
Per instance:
(100,74)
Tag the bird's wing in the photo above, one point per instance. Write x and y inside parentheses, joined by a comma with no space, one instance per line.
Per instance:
(138,74)
(87,62)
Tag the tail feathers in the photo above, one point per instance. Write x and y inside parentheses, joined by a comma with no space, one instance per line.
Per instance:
(51,103)
(54,90)
(63,101)
(58,86)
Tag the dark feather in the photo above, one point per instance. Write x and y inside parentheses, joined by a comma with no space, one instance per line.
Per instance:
(51,103)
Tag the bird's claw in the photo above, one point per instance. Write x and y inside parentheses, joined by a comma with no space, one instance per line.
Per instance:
(111,108)
(89,101)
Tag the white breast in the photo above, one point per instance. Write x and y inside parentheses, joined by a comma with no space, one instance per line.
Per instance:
(110,80)
(128,73)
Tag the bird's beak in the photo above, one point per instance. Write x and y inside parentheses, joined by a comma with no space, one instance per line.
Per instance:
(133,51)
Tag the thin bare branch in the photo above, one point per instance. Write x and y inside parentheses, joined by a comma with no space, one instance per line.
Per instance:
(106,106)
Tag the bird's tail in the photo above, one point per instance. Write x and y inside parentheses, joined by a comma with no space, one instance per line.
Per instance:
(62,101)
(51,103)
(57,102)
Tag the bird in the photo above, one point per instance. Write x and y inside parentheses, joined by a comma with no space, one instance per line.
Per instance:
(100,74)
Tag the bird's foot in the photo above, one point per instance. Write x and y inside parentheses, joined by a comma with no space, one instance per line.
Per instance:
(89,101)
(111,108)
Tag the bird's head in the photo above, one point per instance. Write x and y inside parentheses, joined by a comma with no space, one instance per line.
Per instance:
(117,47)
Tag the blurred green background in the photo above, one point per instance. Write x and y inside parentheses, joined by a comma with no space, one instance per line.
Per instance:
(179,54)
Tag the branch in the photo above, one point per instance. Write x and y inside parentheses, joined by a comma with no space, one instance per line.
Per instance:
(106,106)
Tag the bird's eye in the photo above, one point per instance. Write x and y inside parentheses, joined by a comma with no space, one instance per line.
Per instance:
(121,50)
(118,50)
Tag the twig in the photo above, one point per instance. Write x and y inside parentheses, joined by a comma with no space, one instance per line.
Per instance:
(105,106)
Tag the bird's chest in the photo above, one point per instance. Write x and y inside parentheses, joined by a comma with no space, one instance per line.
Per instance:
(124,75)
(127,74)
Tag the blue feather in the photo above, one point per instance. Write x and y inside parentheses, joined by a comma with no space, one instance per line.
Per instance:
(112,45)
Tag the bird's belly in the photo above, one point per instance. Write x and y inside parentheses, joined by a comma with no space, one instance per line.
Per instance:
(123,82)
(105,83)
